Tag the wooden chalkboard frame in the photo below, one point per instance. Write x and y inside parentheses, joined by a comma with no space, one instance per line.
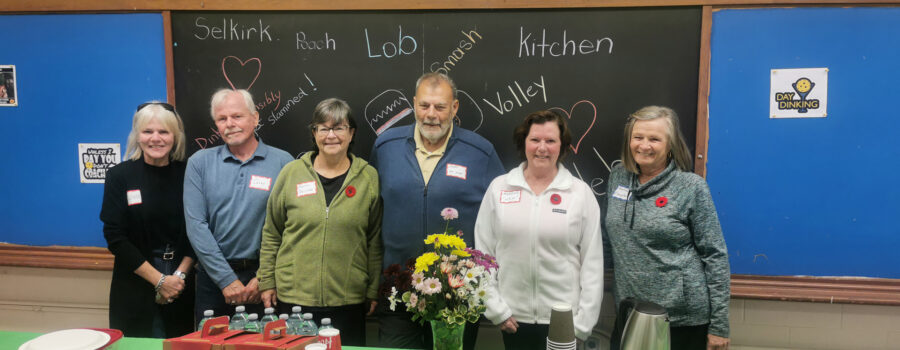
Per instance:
(875,291)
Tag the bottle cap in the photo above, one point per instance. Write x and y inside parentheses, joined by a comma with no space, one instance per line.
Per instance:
(326,320)
(239,308)
(295,309)
(254,317)
(307,316)
(270,310)
(207,313)
(283,316)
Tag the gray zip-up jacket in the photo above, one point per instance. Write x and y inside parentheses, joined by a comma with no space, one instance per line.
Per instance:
(668,248)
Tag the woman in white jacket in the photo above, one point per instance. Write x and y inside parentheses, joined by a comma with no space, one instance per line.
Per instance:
(543,225)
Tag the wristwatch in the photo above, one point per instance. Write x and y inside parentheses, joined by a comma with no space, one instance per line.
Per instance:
(180,275)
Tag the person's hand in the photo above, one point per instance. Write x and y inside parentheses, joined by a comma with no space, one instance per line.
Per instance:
(510,325)
(232,293)
(171,288)
(714,342)
(372,305)
(251,292)
(269,297)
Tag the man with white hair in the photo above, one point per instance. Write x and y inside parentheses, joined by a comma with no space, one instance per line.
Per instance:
(225,192)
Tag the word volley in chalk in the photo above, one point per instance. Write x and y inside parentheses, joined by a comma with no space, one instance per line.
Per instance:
(529,46)
(518,94)
(231,30)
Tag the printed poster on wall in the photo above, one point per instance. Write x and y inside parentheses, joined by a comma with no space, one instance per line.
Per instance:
(799,93)
(8,86)
(95,159)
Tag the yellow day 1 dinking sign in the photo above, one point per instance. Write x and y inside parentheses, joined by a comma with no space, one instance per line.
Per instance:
(799,93)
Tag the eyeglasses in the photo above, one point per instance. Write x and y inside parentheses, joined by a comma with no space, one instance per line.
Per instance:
(339,130)
(164,105)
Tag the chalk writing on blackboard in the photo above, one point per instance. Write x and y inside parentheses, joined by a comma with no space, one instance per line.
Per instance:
(302,91)
(518,94)
(575,133)
(269,97)
(386,109)
(231,30)
(405,45)
(321,44)
(457,54)
(529,46)
(228,66)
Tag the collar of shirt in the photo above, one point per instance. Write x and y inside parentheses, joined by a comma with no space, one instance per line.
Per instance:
(262,150)
(562,181)
(420,145)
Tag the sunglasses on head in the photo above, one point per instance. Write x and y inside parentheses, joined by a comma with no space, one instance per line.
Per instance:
(164,105)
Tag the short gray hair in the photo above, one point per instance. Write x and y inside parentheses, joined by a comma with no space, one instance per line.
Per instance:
(219,97)
(171,121)
(434,79)
(332,110)
(678,149)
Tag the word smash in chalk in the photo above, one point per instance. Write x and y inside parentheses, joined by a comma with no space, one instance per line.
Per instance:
(530,46)
(231,30)
(457,54)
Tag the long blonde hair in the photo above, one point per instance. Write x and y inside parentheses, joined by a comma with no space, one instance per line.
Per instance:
(170,120)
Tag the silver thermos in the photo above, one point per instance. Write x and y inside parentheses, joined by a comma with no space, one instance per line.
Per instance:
(646,326)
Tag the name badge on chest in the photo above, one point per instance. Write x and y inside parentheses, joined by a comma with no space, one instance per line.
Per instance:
(306,189)
(133,197)
(622,193)
(507,197)
(260,182)
(456,170)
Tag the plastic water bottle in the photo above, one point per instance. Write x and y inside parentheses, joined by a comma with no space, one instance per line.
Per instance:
(253,324)
(207,315)
(308,327)
(239,319)
(326,323)
(283,317)
(269,317)
(294,321)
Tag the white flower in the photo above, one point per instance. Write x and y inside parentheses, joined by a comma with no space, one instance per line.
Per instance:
(393,298)
(431,285)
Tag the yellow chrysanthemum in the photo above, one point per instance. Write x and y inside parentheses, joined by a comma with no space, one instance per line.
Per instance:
(453,242)
(430,239)
(424,261)
(460,253)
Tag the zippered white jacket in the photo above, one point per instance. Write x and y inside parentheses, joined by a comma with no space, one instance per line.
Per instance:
(548,246)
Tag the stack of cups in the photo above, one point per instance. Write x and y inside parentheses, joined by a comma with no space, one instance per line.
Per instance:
(331,337)
(561,333)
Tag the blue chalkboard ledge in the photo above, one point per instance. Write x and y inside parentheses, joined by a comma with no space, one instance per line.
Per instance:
(835,290)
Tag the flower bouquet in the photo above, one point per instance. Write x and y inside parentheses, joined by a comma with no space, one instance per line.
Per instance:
(448,285)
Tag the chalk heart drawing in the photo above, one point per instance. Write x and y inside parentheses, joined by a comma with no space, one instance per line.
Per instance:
(244,67)
(569,115)
(470,116)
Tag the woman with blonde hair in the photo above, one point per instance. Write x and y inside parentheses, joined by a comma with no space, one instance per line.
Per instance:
(143,223)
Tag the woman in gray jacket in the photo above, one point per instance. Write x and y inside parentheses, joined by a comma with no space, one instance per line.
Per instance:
(667,245)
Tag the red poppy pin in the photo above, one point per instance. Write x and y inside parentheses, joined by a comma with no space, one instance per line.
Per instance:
(661,201)
(350,191)
(555,198)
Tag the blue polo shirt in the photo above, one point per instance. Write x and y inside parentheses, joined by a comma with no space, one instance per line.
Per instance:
(225,205)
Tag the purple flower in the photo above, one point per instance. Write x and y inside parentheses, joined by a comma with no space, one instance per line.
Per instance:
(449,214)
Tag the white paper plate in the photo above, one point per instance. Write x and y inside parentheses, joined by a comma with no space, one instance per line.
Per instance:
(68,339)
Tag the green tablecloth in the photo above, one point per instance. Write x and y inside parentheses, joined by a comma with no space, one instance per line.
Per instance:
(12,341)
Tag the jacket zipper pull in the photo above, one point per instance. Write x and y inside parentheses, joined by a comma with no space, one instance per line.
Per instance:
(326,212)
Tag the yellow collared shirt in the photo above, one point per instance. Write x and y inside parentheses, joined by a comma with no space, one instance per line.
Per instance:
(429,160)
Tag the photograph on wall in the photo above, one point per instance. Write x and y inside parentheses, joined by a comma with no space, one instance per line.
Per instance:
(8,86)
(95,159)
(799,93)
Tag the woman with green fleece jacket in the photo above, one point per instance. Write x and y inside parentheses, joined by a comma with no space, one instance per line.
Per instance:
(667,245)
(321,243)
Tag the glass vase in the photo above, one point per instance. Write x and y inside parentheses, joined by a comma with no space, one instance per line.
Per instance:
(447,336)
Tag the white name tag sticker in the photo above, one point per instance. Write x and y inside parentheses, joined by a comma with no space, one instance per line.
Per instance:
(622,193)
(306,189)
(456,170)
(510,196)
(134,197)
(260,182)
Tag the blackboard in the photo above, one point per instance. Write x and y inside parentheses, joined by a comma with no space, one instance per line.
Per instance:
(80,77)
(594,65)
(811,197)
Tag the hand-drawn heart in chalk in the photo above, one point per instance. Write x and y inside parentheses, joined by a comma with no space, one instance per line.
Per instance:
(569,115)
(469,115)
(243,64)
